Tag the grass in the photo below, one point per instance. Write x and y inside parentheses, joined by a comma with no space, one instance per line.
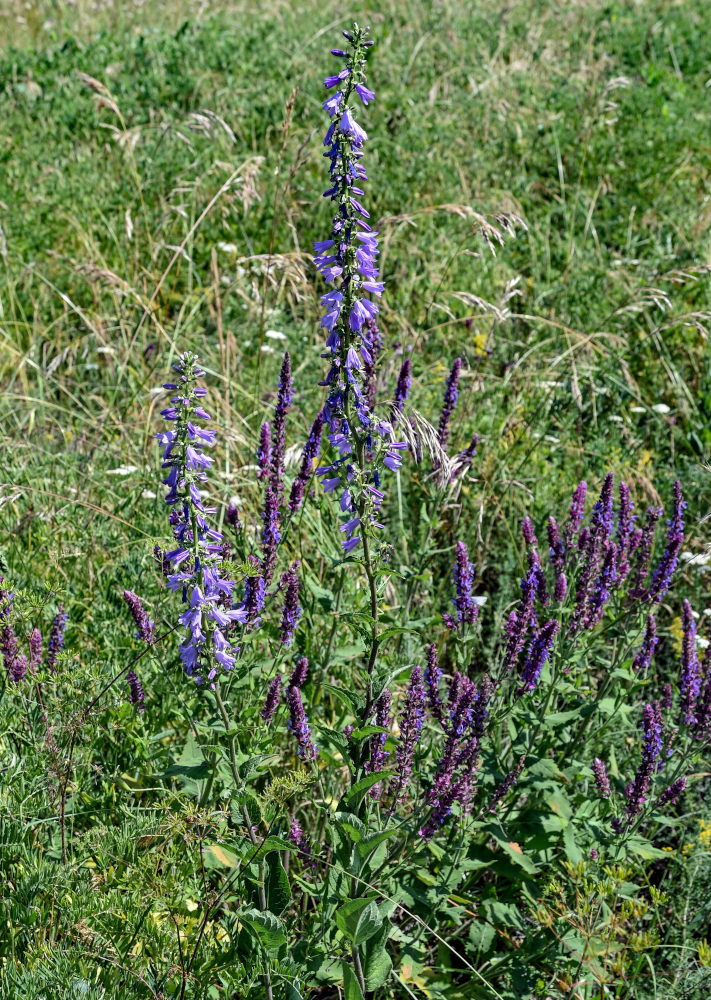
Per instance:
(160,188)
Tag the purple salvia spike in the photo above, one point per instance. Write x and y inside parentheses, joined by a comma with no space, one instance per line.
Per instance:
(577,512)
(291,611)
(411,720)
(636,791)
(529,533)
(264,451)
(690,682)
(661,578)
(672,792)
(602,782)
(144,626)
(556,547)
(451,393)
(561,588)
(643,554)
(298,676)
(271,534)
(625,531)
(667,695)
(463,574)
(378,753)
(433,675)
(300,841)
(18,669)
(56,638)
(402,389)
(35,646)
(299,725)
(644,656)
(285,396)
(602,587)
(135,691)
(538,653)
(272,700)
(308,455)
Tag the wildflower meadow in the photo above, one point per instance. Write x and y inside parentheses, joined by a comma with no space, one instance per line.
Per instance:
(354,611)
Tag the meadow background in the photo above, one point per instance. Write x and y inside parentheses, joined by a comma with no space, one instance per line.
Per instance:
(160,188)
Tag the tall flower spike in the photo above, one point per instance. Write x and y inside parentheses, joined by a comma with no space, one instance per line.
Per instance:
(378,753)
(292,609)
(602,781)
(465,458)
(298,676)
(56,638)
(690,683)
(310,452)
(135,691)
(285,396)
(643,554)
(195,561)
(411,721)
(508,783)
(348,262)
(577,512)
(625,530)
(433,675)
(636,791)
(451,394)
(299,725)
(272,700)
(144,626)
(402,389)
(661,578)
(264,451)
(538,654)
(466,607)
(35,646)
(644,656)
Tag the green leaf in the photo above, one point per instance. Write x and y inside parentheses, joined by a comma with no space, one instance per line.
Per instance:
(571,848)
(353,827)
(369,923)
(367,844)
(348,914)
(351,988)
(265,927)
(377,968)
(353,796)
(277,884)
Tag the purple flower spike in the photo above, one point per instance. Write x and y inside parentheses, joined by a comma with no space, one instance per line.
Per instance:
(529,533)
(625,530)
(451,394)
(284,399)
(292,609)
(411,721)
(643,554)
(298,677)
(538,654)
(662,575)
(463,575)
(690,683)
(577,512)
(271,534)
(672,792)
(264,451)
(402,389)
(378,753)
(135,691)
(644,656)
(636,791)
(299,725)
(602,781)
(272,700)
(207,596)
(56,638)
(556,546)
(144,626)
(308,455)
(18,669)
(35,645)
(433,676)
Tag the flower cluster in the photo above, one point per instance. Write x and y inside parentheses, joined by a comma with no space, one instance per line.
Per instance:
(195,561)
(348,261)
(467,609)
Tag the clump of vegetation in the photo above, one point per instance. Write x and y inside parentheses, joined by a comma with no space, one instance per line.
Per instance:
(295,702)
